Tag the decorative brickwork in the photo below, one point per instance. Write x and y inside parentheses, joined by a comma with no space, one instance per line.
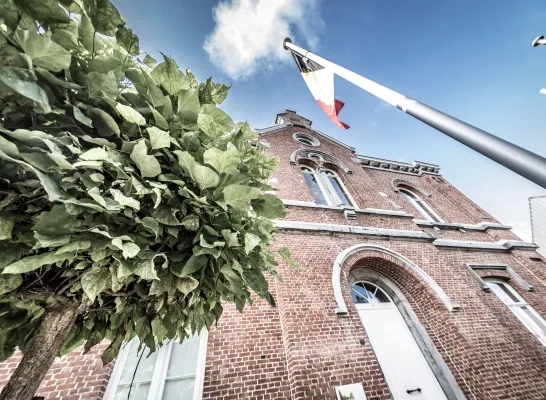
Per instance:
(302,349)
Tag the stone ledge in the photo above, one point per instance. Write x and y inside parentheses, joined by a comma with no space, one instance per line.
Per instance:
(482,226)
(376,211)
(501,245)
(355,230)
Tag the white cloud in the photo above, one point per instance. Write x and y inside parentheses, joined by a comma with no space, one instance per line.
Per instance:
(248,34)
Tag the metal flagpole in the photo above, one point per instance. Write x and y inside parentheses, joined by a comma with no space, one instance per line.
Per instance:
(521,161)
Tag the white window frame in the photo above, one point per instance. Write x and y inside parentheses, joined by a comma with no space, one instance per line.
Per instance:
(328,192)
(516,308)
(299,136)
(160,370)
(334,198)
(425,210)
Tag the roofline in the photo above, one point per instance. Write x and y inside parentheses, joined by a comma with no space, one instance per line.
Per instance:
(276,128)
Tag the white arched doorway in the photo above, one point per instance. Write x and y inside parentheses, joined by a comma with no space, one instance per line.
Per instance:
(407,372)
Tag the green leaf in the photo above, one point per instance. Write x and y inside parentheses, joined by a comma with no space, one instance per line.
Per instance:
(22,81)
(104,16)
(269,206)
(186,161)
(204,243)
(151,224)
(188,106)
(149,61)
(160,121)
(53,80)
(130,114)
(103,122)
(95,154)
(231,238)
(195,263)
(124,200)
(102,85)
(166,216)
(74,247)
(284,252)
(9,283)
(148,165)
(112,350)
(32,263)
(94,282)
(146,269)
(81,118)
(43,51)
(251,241)
(44,10)
(239,196)
(159,139)
(205,177)
(128,40)
(158,329)
(191,222)
(8,147)
(186,284)
(214,121)
(6,226)
(225,162)
(55,222)
(130,250)
(168,75)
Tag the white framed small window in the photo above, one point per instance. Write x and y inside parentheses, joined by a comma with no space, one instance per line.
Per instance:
(174,372)
(306,140)
(521,309)
(420,205)
(327,188)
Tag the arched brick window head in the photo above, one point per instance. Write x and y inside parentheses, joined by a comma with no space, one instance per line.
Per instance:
(420,205)
(327,188)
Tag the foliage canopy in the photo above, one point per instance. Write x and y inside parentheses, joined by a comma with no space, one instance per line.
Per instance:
(124,190)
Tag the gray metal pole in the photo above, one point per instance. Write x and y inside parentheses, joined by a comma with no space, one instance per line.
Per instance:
(521,161)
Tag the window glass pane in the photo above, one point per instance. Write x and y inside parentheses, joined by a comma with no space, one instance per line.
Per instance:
(359,294)
(138,392)
(509,294)
(376,294)
(143,376)
(179,389)
(313,185)
(530,315)
(183,361)
(339,191)
(425,208)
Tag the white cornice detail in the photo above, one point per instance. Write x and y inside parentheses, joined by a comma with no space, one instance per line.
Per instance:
(356,230)
(308,204)
(501,245)
(417,168)
(482,226)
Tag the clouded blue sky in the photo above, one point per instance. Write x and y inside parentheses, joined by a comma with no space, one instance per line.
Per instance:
(471,59)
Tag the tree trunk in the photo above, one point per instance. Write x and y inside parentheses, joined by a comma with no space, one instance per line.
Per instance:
(40,354)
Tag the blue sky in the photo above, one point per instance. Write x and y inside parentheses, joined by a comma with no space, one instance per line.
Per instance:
(471,59)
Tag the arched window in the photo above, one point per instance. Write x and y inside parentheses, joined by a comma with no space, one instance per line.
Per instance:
(368,293)
(315,187)
(420,205)
(521,309)
(327,188)
(306,140)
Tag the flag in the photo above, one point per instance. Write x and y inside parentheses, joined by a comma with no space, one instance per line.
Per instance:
(320,81)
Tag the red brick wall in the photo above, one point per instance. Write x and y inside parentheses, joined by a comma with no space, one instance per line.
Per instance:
(301,349)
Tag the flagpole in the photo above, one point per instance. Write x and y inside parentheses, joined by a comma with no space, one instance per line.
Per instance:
(521,161)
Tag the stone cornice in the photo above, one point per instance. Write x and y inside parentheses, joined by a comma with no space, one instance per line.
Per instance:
(482,226)
(308,204)
(356,230)
(417,168)
(501,245)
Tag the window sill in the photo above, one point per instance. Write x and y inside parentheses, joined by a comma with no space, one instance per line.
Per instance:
(308,204)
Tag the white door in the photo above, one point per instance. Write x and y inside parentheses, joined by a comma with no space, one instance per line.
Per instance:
(406,371)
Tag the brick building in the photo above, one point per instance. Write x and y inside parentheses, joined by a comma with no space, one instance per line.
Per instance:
(410,291)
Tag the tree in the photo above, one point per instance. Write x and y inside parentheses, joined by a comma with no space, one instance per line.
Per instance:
(130,205)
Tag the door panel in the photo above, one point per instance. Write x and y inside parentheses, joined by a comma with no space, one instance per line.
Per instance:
(398,354)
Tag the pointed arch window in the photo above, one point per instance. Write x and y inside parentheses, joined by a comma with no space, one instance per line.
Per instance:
(327,188)
(419,204)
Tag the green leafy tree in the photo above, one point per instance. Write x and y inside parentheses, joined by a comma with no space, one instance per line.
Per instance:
(130,205)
